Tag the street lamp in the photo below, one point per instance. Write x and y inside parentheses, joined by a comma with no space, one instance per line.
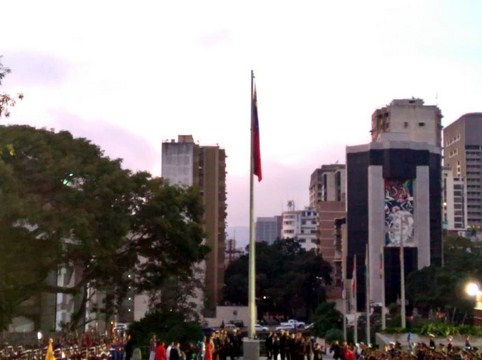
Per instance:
(39,338)
(472,289)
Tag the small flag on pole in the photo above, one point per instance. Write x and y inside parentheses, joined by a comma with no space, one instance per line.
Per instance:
(353,278)
(381,262)
(256,152)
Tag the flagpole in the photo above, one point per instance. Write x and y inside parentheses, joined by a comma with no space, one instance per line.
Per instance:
(402,278)
(252,268)
(382,276)
(343,297)
(367,274)
(354,288)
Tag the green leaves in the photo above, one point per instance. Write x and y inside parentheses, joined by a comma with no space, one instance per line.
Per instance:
(289,280)
(65,204)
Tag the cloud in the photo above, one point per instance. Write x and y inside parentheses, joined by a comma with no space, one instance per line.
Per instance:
(117,142)
(35,68)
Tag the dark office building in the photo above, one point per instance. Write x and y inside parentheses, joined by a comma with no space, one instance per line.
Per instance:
(393,202)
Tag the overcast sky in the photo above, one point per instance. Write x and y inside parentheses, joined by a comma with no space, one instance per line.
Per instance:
(130,74)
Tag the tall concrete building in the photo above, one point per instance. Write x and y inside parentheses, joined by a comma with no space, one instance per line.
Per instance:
(327,196)
(394,197)
(463,156)
(186,163)
(422,123)
(300,225)
(454,211)
(268,229)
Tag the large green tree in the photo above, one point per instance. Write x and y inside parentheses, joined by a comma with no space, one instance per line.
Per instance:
(289,280)
(64,203)
(462,263)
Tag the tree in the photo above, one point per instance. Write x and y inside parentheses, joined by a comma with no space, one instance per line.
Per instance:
(65,204)
(326,317)
(6,100)
(289,280)
(446,295)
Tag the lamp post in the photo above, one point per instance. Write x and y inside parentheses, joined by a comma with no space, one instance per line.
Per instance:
(39,338)
(473,290)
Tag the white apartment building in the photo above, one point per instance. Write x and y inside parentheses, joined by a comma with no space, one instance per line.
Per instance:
(300,225)
(454,211)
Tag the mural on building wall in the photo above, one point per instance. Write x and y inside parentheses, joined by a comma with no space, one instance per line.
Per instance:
(399,213)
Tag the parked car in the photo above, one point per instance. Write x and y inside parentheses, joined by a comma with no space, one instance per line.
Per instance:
(260,328)
(288,327)
(230,327)
(294,323)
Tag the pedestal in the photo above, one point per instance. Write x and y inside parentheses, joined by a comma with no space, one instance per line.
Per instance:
(250,349)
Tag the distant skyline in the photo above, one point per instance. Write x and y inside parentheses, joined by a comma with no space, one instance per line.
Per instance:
(129,75)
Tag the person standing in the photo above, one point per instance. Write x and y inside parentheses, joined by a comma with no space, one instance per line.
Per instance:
(276,347)
(317,351)
(335,349)
(160,353)
(269,345)
(152,347)
(208,355)
(308,348)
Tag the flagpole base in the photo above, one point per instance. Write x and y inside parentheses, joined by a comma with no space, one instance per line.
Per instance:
(250,349)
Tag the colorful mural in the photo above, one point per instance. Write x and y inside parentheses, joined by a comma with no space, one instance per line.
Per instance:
(399,213)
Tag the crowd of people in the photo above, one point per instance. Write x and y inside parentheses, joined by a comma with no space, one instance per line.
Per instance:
(286,345)
(222,344)
(218,345)
(413,351)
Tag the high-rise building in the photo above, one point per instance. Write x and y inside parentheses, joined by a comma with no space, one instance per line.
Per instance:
(422,123)
(327,183)
(463,155)
(186,163)
(268,229)
(327,196)
(454,211)
(394,197)
(300,225)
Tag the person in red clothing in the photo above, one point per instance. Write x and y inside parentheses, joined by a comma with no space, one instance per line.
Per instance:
(349,353)
(209,349)
(160,351)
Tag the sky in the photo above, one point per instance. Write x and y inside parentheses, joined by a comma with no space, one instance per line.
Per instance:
(129,75)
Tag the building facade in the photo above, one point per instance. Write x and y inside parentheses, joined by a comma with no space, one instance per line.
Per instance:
(327,196)
(186,163)
(421,123)
(463,156)
(394,197)
(268,229)
(454,211)
(300,225)
(393,203)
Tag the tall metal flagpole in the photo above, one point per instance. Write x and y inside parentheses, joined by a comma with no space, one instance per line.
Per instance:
(343,296)
(354,288)
(367,288)
(252,268)
(402,278)
(382,276)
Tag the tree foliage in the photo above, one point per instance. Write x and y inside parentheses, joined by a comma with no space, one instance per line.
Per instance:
(325,318)
(446,295)
(168,326)
(289,280)
(6,100)
(66,204)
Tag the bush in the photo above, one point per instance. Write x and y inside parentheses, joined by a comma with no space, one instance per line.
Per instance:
(332,335)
